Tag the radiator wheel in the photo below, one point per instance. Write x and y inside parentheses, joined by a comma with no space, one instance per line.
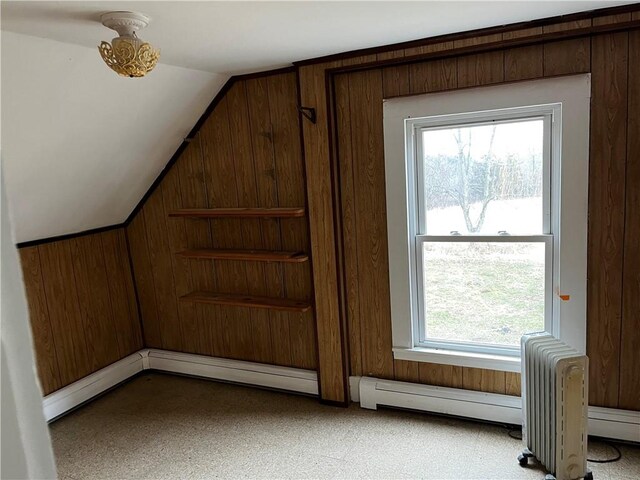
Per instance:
(523,458)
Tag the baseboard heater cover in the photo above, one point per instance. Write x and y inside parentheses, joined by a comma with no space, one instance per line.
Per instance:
(373,392)
(448,401)
(69,397)
(236,371)
(370,392)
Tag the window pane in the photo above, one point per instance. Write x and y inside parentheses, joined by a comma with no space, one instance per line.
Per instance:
(488,293)
(483,179)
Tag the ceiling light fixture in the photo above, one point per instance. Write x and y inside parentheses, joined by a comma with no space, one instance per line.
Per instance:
(128,55)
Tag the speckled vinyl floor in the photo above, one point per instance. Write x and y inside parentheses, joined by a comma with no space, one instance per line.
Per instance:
(167,427)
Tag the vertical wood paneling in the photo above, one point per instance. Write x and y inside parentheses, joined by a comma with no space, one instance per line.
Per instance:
(283,95)
(265,192)
(395,80)
(513,385)
(247,154)
(145,285)
(484,380)
(349,231)
(433,76)
(221,180)
(568,56)
(45,352)
(252,158)
(126,319)
(82,306)
(406,371)
(56,260)
(212,336)
(524,62)
(162,270)
(441,375)
(187,319)
(606,214)
(94,303)
(331,354)
(629,389)
(365,92)
(482,68)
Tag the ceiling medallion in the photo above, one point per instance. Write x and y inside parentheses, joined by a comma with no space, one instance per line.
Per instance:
(128,55)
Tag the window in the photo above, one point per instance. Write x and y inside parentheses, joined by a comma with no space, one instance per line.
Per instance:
(477,203)
(483,236)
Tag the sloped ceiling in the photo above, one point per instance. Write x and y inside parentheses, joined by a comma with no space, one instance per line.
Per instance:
(80,145)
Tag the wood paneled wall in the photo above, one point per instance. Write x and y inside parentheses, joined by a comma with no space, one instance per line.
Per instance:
(247,154)
(345,167)
(82,306)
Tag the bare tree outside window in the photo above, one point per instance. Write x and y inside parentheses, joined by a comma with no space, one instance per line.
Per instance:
(464,168)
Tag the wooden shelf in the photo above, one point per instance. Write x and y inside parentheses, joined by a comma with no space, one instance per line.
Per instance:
(247,301)
(238,212)
(251,255)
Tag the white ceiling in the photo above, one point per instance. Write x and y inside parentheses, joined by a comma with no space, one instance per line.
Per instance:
(237,36)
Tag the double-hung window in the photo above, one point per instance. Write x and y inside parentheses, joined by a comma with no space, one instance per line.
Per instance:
(482,185)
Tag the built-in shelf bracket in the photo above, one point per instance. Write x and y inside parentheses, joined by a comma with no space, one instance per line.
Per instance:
(309,113)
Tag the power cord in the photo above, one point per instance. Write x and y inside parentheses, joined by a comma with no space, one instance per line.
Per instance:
(516,434)
(608,460)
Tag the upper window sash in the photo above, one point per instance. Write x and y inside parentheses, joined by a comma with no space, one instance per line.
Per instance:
(415,155)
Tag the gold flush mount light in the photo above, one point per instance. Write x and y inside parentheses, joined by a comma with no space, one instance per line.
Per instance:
(128,55)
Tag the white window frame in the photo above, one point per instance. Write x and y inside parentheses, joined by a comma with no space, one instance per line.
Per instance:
(565,102)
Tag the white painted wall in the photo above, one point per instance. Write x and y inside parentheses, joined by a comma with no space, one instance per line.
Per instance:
(81,145)
(26,448)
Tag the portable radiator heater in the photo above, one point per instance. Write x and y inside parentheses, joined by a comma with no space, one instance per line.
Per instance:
(554,405)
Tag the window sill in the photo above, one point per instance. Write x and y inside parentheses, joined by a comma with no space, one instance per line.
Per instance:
(464,359)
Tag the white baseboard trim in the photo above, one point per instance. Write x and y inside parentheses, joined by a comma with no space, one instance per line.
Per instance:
(614,423)
(237,371)
(372,392)
(69,397)
(258,374)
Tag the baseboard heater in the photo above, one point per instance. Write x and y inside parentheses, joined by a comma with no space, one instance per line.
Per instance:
(370,392)
(70,397)
(493,407)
